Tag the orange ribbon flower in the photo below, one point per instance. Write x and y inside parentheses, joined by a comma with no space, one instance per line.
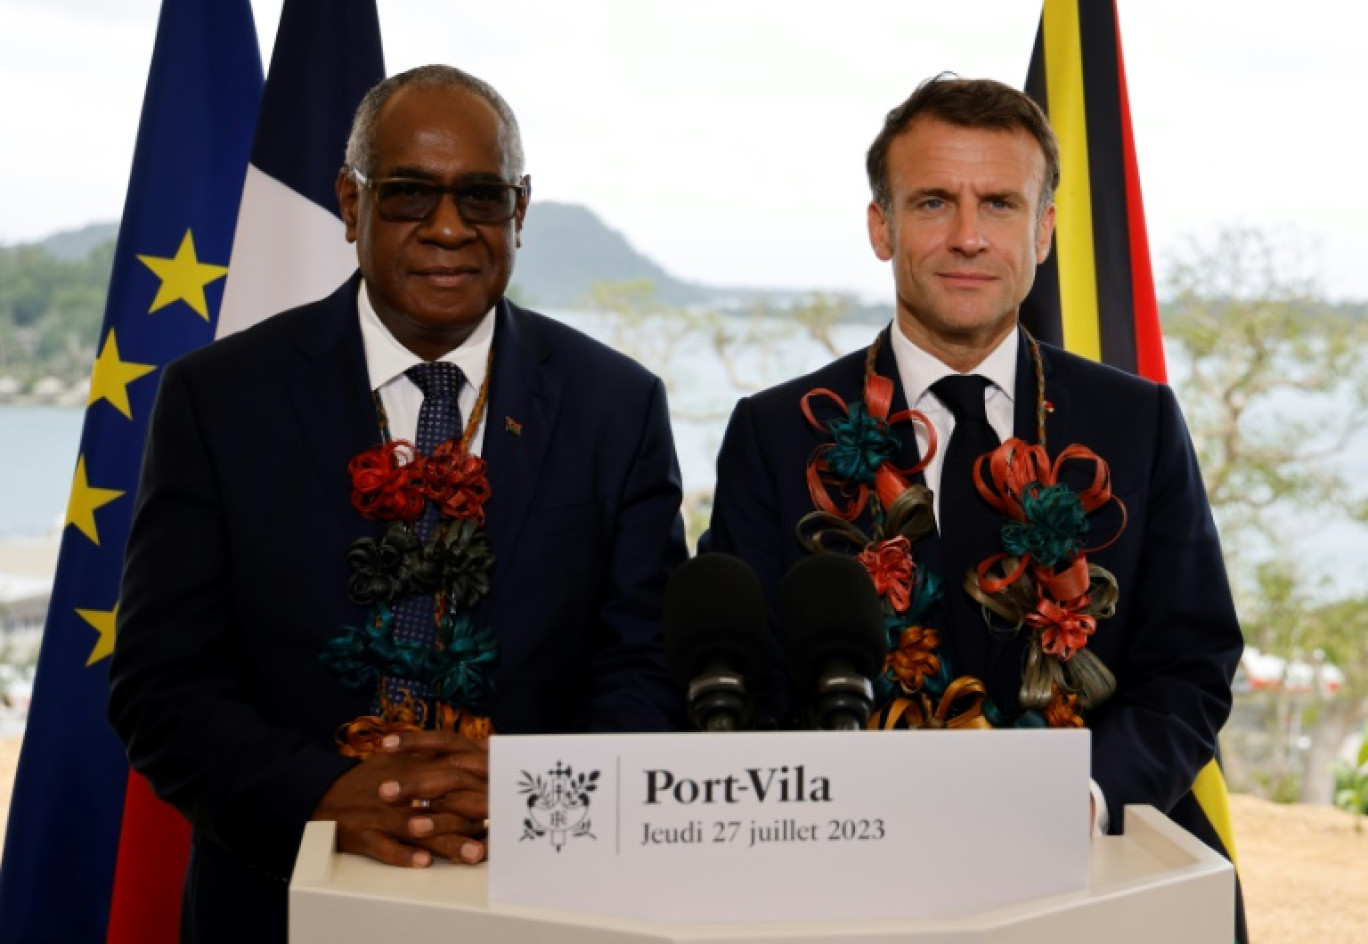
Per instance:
(1062,711)
(914,658)
(456,481)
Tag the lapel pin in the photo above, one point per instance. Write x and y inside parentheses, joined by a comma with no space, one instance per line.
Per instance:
(1049,407)
(512,426)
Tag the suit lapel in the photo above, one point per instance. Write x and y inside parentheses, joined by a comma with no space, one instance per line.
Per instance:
(330,394)
(524,400)
(1026,422)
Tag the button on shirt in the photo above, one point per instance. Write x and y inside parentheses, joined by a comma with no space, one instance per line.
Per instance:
(387,359)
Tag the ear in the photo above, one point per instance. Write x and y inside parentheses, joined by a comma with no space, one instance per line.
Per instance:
(879,235)
(348,201)
(1043,233)
(521,212)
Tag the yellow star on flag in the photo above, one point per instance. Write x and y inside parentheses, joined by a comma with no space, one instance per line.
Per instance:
(103,622)
(84,500)
(111,377)
(183,277)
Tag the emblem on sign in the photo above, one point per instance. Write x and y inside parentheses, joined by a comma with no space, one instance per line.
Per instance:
(558,804)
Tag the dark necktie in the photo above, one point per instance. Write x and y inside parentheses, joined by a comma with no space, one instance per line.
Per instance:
(438,421)
(969,529)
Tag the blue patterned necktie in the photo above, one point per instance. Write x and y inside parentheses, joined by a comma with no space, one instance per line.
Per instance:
(439,420)
(970,529)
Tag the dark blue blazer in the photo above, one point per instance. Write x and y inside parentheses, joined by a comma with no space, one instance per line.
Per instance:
(1174,641)
(236,575)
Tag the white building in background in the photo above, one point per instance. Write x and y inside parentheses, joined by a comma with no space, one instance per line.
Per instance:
(1263,672)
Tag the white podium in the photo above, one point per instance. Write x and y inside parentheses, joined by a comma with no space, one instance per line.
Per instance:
(1155,883)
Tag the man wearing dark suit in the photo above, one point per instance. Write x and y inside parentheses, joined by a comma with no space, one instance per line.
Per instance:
(237,575)
(963,176)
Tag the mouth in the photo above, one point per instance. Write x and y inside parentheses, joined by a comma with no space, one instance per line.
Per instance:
(447,276)
(966,279)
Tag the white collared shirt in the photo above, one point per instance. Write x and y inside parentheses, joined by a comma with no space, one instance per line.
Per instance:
(918,370)
(387,359)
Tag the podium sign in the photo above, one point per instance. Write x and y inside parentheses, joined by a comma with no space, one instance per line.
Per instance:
(788,826)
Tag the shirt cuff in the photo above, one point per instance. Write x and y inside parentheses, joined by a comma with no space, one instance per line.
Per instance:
(1101,819)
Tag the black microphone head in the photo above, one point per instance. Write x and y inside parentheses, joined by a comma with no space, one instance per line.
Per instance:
(829,610)
(715,609)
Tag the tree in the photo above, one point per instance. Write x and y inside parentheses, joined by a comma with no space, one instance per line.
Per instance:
(1274,383)
(707,355)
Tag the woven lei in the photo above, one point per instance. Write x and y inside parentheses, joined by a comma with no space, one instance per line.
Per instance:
(1040,581)
(392,482)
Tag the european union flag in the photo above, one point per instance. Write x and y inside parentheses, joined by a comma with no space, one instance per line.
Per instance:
(68,811)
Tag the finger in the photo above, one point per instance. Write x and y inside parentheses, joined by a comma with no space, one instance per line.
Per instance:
(438,742)
(443,788)
(462,850)
(446,824)
(383,847)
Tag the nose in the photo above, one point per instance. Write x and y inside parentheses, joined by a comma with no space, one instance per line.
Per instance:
(968,236)
(446,226)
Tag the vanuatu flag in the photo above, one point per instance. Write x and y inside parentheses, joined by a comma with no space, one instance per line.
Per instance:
(1095,294)
(78,816)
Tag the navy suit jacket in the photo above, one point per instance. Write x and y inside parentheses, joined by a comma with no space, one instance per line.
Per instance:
(236,575)
(1174,641)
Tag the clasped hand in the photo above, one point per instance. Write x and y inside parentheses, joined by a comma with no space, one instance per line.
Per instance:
(379,805)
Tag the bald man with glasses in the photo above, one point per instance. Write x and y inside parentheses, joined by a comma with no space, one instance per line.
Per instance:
(375,528)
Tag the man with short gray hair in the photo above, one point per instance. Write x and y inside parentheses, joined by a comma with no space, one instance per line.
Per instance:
(376,528)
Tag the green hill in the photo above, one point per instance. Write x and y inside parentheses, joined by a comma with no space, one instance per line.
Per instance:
(566,249)
(75,245)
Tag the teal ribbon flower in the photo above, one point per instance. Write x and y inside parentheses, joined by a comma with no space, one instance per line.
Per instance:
(861,443)
(1054,528)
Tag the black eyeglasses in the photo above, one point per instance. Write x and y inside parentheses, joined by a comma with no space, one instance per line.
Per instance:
(410,199)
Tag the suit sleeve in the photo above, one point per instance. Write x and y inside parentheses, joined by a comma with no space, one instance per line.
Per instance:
(631,688)
(1182,641)
(180,697)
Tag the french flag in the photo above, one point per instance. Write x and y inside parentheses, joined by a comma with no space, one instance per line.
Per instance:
(290,246)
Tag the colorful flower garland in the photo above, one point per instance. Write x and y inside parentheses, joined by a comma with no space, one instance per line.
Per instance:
(1040,580)
(392,482)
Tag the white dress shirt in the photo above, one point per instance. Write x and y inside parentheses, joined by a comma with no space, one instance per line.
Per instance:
(387,359)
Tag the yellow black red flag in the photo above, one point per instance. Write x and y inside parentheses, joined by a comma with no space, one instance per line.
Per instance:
(1094,295)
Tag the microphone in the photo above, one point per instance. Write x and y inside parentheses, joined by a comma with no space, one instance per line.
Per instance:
(835,641)
(716,638)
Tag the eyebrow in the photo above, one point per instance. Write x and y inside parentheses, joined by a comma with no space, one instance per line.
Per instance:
(925,192)
(1009,196)
(421,173)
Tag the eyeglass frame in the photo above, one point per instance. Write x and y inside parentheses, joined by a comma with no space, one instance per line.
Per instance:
(522,188)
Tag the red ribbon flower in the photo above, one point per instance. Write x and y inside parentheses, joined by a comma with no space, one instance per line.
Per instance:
(891,568)
(1063,630)
(386,482)
(456,481)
